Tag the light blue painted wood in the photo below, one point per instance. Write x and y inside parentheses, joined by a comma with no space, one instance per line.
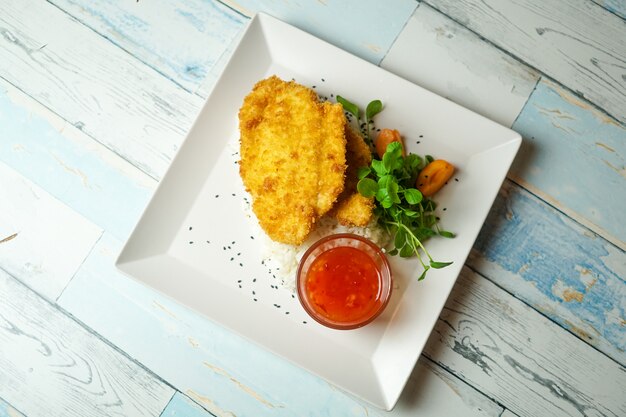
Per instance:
(366,28)
(7,411)
(70,166)
(616,6)
(574,155)
(181,406)
(225,373)
(182,40)
(573,276)
(218,369)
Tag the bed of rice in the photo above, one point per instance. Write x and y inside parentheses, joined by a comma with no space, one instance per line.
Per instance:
(283,259)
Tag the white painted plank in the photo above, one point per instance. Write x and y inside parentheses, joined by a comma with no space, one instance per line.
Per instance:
(182,40)
(93,84)
(69,165)
(571,275)
(574,157)
(42,242)
(366,28)
(51,366)
(442,56)
(521,359)
(508,413)
(578,43)
(225,373)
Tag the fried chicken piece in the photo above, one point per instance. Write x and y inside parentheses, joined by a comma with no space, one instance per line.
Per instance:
(292,157)
(351,207)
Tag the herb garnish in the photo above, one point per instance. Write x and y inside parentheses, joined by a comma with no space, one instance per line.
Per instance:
(401,209)
(373,108)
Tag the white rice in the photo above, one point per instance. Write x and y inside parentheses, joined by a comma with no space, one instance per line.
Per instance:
(283,259)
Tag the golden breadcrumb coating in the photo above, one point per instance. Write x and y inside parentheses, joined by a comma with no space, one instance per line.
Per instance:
(351,207)
(292,157)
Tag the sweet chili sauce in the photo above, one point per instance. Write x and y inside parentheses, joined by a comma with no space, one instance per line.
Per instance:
(343,284)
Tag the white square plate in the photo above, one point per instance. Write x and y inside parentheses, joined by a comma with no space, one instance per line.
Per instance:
(195,244)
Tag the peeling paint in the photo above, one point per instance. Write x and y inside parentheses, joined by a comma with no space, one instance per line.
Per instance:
(241,386)
(209,404)
(74,171)
(6,239)
(607,147)
(193,342)
(374,48)
(161,307)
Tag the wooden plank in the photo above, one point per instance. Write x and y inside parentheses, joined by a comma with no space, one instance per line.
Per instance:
(72,167)
(578,43)
(225,373)
(508,413)
(614,6)
(51,366)
(183,406)
(521,359)
(442,56)
(571,275)
(7,411)
(574,157)
(93,84)
(42,242)
(366,28)
(182,40)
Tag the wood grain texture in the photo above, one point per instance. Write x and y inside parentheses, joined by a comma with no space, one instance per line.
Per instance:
(521,359)
(614,6)
(225,373)
(51,366)
(571,275)
(573,156)
(578,43)
(182,40)
(6,410)
(442,56)
(42,242)
(182,406)
(366,28)
(93,84)
(72,167)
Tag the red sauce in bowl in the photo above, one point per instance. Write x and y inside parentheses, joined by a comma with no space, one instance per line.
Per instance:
(344,281)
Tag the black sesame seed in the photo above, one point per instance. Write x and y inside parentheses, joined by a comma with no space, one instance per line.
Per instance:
(191,242)
(217,195)
(255,299)
(240,286)
(233,194)
(323,80)
(232,259)
(444,209)
(418,142)
(240,264)
(253,292)
(254,280)
(332,95)
(208,241)
(232,243)
(304,321)
(286,312)
(456,179)
(293,296)
(313,86)
(190,227)
(252,237)
(421,136)
(238,280)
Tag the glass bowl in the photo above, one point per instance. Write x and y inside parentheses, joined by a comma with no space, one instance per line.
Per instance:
(344,281)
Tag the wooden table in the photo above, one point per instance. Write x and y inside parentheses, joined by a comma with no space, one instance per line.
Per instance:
(95,98)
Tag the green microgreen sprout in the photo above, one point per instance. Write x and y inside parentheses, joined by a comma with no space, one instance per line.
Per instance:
(373,108)
(401,209)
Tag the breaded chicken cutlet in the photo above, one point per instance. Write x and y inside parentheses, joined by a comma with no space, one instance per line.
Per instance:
(293,157)
(351,207)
